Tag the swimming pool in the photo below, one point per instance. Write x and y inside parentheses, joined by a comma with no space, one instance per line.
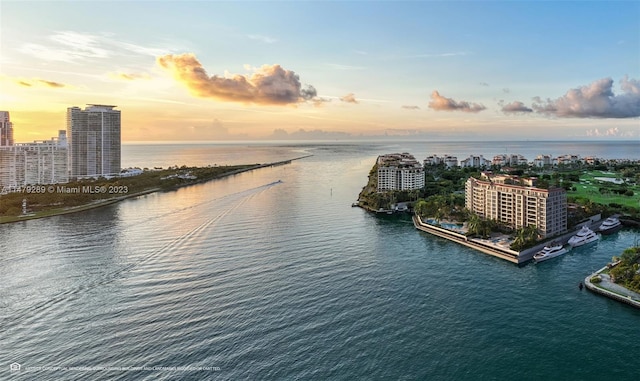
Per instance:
(445,225)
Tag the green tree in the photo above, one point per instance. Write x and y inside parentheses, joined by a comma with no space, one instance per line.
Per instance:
(473,224)
(531,233)
(626,272)
(520,239)
(420,208)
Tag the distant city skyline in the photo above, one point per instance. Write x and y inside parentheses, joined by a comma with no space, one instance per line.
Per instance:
(233,71)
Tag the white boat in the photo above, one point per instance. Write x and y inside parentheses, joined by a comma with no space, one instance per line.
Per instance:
(584,236)
(610,225)
(551,251)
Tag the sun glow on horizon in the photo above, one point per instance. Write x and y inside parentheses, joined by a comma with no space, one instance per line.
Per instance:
(252,79)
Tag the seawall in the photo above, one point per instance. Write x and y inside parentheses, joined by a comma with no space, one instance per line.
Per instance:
(627,299)
(509,255)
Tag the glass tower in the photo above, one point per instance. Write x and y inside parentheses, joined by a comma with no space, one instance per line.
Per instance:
(93,136)
(6,129)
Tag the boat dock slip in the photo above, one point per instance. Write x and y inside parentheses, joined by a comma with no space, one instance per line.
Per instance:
(490,247)
(494,250)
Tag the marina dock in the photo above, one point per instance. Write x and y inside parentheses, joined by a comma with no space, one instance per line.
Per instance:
(497,249)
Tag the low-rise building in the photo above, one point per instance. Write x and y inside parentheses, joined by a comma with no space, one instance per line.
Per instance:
(448,160)
(399,171)
(591,160)
(432,160)
(567,160)
(543,161)
(513,159)
(475,162)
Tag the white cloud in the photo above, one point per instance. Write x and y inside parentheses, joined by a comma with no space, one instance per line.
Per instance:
(74,47)
(611,132)
(440,103)
(349,98)
(270,85)
(515,107)
(595,100)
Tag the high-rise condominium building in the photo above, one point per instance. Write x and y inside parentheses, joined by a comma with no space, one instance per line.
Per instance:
(94,141)
(399,171)
(500,198)
(40,162)
(6,129)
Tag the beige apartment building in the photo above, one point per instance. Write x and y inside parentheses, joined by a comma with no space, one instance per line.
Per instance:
(504,199)
(399,171)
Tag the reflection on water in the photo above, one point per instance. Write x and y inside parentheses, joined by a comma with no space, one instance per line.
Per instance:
(284,280)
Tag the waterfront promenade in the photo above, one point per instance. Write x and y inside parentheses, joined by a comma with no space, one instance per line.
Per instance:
(499,247)
(611,290)
(484,246)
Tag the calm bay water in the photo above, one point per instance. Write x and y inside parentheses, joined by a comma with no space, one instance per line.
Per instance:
(166,155)
(249,278)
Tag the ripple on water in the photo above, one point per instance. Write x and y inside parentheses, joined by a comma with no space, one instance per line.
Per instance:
(289,282)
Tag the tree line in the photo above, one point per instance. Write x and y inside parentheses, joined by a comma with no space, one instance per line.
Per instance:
(165,179)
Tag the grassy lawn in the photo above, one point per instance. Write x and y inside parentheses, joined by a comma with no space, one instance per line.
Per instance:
(57,211)
(589,187)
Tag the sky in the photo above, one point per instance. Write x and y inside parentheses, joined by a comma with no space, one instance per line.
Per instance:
(331,70)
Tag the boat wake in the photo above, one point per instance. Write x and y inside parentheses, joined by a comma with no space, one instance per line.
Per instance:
(31,314)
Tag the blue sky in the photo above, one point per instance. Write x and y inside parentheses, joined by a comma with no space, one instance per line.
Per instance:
(494,70)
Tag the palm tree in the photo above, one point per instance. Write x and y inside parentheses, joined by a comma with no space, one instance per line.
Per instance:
(420,208)
(438,214)
(531,233)
(473,224)
(485,228)
(520,240)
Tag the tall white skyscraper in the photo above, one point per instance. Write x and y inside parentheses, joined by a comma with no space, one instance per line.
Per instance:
(94,141)
(6,129)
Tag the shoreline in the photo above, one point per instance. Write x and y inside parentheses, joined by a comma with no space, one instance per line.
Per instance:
(100,203)
(493,250)
(621,293)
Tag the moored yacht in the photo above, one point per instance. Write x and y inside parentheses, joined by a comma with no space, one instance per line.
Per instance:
(552,250)
(584,236)
(610,225)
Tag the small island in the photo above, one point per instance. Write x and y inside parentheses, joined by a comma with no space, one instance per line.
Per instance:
(507,207)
